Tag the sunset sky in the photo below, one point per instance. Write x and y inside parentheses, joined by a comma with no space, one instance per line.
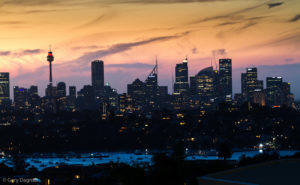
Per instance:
(128,35)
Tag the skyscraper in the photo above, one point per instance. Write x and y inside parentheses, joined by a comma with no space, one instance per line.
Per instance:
(204,84)
(225,77)
(181,86)
(61,89)
(250,83)
(4,88)
(274,91)
(151,88)
(98,77)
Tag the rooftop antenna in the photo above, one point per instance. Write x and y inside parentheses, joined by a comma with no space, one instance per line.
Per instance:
(50,47)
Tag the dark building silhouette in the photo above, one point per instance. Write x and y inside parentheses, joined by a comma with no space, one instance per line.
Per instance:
(137,90)
(51,91)
(243,86)
(98,77)
(225,78)
(71,99)
(72,91)
(164,98)
(148,95)
(274,91)
(287,96)
(61,89)
(86,98)
(20,97)
(151,89)
(4,88)
(34,99)
(62,100)
(111,98)
(181,86)
(33,90)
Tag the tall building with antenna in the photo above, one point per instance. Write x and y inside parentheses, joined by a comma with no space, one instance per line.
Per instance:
(51,90)
(148,94)
(151,87)
(50,59)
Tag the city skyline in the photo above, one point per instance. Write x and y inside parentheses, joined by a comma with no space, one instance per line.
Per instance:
(206,89)
(122,33)
(170,88)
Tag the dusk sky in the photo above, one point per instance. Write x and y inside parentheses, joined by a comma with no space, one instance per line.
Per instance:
(128,35)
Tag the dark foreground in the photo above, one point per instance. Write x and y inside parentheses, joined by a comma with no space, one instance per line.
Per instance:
(166,169)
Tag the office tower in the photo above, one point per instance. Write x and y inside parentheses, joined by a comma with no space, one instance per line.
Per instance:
(4,88)
(151,89)
(251,80)
(98,77)
(61,89)
(204,84)
(20,97)
(225,78)
(250,83)
(137,90)
(274,91)
(72,91)
(181,86)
